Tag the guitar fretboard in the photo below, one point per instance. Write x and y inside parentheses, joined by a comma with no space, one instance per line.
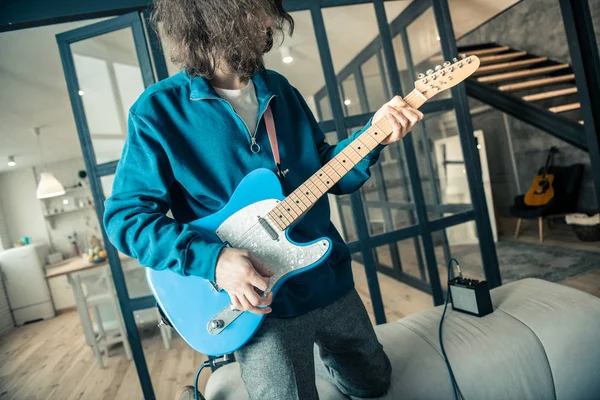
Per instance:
(304,197)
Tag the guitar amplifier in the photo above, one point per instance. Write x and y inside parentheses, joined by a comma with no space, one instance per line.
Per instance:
(470,296)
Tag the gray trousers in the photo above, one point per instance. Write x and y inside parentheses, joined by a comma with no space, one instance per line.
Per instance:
(279,361)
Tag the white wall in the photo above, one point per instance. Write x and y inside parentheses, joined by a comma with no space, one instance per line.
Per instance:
(21,208)
(5,242)
(24,213)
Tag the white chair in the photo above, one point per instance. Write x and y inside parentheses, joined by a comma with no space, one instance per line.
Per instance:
(100,297)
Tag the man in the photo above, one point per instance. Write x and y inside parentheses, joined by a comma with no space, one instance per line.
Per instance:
(192,138)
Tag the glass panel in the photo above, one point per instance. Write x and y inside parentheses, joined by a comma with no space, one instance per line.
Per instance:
(425,47)
(349,95)
(399,298)
(350,29)
(326,113)
(110,80)
(441,166)
(375,82)
(458,242)
(397,186)
(297,58)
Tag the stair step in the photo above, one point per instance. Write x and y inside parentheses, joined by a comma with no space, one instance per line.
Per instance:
(509,65)
(565,108)
(481,52)
(502,57)
(550,94)
(492,50)
(536,83)
(521,74)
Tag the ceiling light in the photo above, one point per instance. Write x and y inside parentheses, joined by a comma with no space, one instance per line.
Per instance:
(49,186)
(81,91)
(347,102)
(438,38)
(286,55)
(65,202)
(11,161)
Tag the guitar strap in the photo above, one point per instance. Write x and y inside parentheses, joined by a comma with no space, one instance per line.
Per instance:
(270,124)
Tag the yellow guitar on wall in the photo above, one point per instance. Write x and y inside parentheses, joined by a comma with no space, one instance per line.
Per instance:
(541,191)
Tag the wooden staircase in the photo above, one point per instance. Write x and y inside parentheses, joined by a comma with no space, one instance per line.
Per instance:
(535,89)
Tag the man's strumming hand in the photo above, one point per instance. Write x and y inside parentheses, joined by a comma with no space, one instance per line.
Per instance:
(238,272)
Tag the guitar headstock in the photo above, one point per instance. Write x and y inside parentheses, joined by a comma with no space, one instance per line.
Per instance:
(447,75)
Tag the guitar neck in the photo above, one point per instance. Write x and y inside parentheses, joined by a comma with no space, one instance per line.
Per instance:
(302,199)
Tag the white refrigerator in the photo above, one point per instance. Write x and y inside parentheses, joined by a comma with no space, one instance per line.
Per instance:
(23,275)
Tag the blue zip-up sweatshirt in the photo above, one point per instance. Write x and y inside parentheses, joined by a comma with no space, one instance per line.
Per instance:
(187,150)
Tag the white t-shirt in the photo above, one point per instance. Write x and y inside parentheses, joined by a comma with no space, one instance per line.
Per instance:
(244,103)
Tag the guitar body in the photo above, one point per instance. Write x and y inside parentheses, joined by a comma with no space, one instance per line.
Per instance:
(541,191)
(192,304)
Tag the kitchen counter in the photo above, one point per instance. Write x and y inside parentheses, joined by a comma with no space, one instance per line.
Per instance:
(76,264)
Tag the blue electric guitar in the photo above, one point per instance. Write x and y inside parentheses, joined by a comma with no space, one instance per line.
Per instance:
(258,218)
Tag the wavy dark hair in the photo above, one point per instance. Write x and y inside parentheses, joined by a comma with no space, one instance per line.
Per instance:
(206,35)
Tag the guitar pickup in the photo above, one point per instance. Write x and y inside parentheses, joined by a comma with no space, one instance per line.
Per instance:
(268,228)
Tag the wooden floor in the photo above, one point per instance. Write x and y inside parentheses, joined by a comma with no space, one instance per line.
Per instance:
(50,360)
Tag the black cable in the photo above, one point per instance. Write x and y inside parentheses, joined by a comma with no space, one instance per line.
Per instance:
(213,362)
(455,388)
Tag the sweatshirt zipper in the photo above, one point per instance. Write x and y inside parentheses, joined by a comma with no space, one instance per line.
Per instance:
(254,147)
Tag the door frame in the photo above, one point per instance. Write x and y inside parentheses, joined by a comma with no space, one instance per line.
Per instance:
(96,171)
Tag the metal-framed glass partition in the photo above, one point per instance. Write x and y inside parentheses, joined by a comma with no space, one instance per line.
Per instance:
(399,223)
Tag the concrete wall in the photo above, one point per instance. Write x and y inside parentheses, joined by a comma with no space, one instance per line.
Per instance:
(534,26)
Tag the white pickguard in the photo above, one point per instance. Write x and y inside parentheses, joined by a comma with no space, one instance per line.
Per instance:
(243,231)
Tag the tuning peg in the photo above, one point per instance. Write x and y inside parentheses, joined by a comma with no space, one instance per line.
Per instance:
(463,56)
(421,76)
(460,64)
(446,64)
(455,60)
(429,72)
(438,67)
(468,60)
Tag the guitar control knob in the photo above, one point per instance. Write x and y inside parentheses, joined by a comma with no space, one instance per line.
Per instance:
(217,324)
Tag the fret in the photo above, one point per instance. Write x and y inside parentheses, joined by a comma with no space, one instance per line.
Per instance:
(337,168)
(330,172)
(297,199)
(313,180)
(308,193)
(326,179)
(377,134)
(290,203)
(360,147)
(368,140)
(300,192)
(340,165)
(290,210)
(344,161)
(280,216)
(352,154)
(275,221)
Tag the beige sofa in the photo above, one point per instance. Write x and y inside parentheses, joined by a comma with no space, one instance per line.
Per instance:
(541,342)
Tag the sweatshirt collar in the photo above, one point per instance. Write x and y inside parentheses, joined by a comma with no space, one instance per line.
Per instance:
(201,89)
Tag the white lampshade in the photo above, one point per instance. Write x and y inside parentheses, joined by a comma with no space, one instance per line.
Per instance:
(49,186)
